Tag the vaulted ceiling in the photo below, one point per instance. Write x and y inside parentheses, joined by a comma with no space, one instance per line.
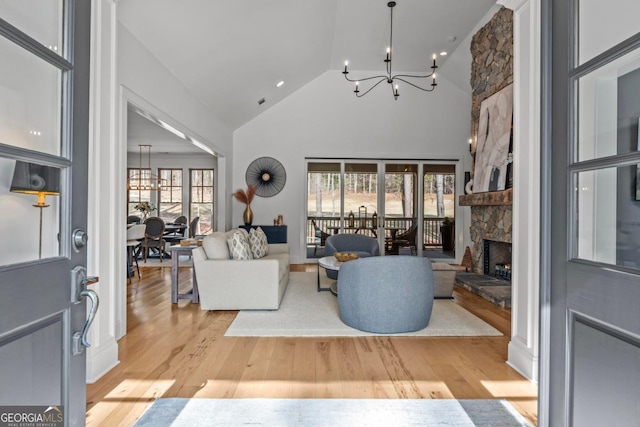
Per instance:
(232,53)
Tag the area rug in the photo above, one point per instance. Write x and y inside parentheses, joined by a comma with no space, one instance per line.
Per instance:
(305,312)
(178,412)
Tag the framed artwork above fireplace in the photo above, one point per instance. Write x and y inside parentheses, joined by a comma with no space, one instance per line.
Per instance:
(493,153)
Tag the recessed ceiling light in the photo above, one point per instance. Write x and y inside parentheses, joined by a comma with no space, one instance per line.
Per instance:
(280,83)
(443,53)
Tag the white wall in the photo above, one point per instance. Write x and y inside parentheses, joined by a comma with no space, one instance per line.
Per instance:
(325,119)
(123,71)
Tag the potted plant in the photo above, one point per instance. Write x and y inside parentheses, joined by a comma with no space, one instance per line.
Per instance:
(447,234)
(246,197)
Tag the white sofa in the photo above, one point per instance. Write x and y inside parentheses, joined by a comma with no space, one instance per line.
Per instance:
(444,277)
(227,284)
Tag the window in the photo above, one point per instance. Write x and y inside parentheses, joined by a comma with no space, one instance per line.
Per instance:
(136,192)
(382,199)
(170,204)
(201,202)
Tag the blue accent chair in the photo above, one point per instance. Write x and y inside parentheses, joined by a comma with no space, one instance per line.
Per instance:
(386,295)
(364,246)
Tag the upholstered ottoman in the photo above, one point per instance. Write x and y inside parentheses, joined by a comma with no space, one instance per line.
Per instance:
(444,277)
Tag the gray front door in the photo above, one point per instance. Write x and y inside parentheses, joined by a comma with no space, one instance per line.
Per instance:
(590,331)
(44,103)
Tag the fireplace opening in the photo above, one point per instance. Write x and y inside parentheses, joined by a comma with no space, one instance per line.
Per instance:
(497,259)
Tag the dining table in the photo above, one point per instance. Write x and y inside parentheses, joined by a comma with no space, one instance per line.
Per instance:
(174,229)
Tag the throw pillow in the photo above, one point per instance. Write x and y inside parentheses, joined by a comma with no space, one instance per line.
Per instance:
(239,247)
(258,243)
(215,246)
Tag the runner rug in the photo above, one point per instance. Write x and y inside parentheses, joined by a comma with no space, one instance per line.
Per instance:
(179,412)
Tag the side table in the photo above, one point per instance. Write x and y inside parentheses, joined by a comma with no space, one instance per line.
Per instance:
(193,295)
(328,263)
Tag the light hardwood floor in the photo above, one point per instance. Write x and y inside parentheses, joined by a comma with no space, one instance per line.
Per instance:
(177,350)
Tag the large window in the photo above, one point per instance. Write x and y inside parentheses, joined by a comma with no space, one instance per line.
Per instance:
(138,181)
(384,199)
(201,205)
(170,204)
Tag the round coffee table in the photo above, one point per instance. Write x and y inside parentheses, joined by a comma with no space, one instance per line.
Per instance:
(329,263)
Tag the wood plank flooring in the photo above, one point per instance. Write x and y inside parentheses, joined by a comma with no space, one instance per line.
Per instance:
(177,350)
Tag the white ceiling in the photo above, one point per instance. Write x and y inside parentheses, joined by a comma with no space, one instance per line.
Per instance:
(232,53)
(141,130)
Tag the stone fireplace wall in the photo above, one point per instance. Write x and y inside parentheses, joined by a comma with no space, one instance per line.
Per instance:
(491,71)
(492,63)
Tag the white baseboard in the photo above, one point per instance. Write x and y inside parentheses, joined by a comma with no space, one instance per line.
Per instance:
(522,360)
(101,360)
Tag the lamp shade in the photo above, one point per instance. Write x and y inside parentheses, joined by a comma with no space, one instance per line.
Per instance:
(31,178)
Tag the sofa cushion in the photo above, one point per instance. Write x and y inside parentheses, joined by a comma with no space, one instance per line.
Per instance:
(258,243)
(215,246)
(239,247)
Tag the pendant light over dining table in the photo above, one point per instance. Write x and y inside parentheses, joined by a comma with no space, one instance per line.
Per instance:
(143,179)
(391,78)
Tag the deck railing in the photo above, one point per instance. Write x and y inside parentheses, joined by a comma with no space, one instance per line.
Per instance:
(331,225)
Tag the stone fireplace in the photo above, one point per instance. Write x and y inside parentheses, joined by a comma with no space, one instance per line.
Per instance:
(491,215)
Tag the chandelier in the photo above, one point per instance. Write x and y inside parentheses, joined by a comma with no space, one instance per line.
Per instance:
(389,77)
(144,179)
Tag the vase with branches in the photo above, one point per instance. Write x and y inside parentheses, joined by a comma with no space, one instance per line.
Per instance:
(145,208)
(246,197)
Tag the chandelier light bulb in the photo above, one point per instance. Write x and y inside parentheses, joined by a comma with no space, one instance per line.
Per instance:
(346,63)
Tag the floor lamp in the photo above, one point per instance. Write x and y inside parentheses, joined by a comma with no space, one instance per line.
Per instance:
(39,180)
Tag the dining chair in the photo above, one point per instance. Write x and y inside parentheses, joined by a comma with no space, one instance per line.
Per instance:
(178,235)
(133,219)
(405,239)
(181,220)
(135,235)
(321,236)
(153,236)
(193,226)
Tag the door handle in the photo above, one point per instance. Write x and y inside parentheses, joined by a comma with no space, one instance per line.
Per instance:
(80,342)
(80,291)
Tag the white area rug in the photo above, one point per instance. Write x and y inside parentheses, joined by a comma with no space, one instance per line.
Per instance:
(304,312)
(179,412)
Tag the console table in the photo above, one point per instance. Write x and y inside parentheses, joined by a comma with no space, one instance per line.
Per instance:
(275,233)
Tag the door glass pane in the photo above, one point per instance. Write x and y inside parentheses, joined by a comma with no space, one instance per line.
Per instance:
(608,216)
(360,197)
(400,220)
(604,25)
(30,101)
(41,19)
(439,203)
(323,205)
(608,109)
(30,206)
